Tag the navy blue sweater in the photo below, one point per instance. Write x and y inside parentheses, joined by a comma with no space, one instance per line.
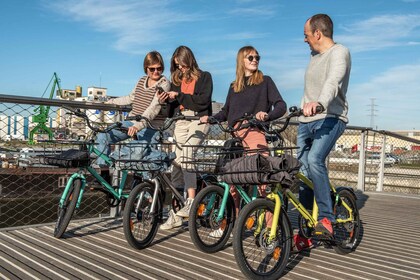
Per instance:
(264,97)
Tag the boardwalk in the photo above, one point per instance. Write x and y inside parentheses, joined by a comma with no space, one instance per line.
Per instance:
(390,249)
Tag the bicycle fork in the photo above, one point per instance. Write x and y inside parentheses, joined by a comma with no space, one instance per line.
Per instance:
(155,197)
(265,216)
(73,177)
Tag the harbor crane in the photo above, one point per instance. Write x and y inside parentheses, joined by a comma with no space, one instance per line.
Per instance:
(41,118)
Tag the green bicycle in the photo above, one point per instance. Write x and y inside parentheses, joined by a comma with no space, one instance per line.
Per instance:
(263,232)
(213,212)
(71,197)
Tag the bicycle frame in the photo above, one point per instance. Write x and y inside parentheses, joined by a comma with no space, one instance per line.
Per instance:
(243,194)
(310,218)
(79,175)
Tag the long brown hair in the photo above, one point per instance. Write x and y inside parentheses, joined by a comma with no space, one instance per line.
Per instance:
(255,79)
(185,57)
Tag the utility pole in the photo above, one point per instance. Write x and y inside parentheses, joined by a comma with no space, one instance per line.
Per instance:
(372,113)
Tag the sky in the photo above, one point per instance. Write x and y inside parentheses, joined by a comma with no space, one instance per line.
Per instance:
(103,43)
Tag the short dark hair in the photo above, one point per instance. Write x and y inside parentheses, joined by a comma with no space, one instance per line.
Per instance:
(151,58)
(323,23)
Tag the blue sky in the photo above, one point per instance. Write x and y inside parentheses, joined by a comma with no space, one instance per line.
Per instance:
(103,43)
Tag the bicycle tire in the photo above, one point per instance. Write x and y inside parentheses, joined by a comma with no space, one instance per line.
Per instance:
(347,236)
(207,234)
(140,227)
(256,258)
(66,211)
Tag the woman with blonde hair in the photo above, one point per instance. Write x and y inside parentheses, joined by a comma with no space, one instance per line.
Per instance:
(251,93)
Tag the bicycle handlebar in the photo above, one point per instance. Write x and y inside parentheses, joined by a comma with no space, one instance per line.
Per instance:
(118,125)
(246,121)
(249,120)
(79,113)
(168,122)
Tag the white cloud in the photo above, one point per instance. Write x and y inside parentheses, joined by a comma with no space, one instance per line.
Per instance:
(136,24)
(380,32)
(264,11)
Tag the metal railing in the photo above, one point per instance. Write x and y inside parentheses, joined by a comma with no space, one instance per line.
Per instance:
(363,158)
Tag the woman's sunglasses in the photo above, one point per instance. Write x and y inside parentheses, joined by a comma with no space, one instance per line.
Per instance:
(153,69)
(251,57)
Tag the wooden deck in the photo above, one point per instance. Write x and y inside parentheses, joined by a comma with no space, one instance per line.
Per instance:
(96,249)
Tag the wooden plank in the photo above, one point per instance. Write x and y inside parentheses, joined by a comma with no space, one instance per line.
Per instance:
(97,250)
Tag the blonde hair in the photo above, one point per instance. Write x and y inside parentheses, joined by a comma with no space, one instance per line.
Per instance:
(255,79)
(185,57)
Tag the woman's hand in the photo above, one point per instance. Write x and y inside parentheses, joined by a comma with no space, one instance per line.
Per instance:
(172,94)
(204,119)
(132,130)
(162,96)
(261,116)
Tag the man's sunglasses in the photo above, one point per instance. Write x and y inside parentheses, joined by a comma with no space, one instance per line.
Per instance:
(251,57)
(153,69)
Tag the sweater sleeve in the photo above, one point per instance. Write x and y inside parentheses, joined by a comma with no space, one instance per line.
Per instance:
(151,112)
(337,72)
(201,99)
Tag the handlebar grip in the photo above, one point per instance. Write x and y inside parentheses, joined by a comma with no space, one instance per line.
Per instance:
(212,120)
(192,118)
(132,118)
(319,109)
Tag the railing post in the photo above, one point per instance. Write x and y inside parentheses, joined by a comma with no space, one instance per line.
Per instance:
(362,165)
(380,183)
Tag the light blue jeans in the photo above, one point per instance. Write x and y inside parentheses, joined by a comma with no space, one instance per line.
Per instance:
(315,141)
(114,136)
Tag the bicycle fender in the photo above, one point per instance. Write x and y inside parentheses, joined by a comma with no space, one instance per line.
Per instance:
(351,190)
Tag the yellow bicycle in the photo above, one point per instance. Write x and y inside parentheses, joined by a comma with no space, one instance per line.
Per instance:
(263,233)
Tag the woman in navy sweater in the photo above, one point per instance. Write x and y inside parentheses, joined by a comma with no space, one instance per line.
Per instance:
(251,93)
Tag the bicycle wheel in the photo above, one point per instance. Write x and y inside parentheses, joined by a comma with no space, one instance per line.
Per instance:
(66,211)
(255,254)
(140,225)
(208,234)
(346,234)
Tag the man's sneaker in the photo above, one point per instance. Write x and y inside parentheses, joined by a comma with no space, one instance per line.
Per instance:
(324,227)
(173,221)
(301,243)
(185,211)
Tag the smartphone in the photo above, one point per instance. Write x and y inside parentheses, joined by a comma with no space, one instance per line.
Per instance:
(160,90)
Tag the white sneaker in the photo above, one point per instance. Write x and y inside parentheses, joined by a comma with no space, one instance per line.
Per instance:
(172,222)
(216,233)
(185,211)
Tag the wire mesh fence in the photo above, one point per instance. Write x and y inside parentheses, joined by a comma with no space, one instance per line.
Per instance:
(30,188)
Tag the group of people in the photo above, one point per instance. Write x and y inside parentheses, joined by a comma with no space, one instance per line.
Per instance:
(189,92)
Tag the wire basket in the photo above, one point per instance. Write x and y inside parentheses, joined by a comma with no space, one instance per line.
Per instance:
(259,166)
(142,156)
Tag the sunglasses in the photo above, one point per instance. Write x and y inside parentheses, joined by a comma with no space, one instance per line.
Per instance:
(251,57)
(153,69)
(182,66)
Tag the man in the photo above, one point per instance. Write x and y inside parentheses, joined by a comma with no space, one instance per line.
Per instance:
(326,82)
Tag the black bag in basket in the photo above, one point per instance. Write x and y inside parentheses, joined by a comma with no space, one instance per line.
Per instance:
(232,149)
(246,170)
(69,158)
